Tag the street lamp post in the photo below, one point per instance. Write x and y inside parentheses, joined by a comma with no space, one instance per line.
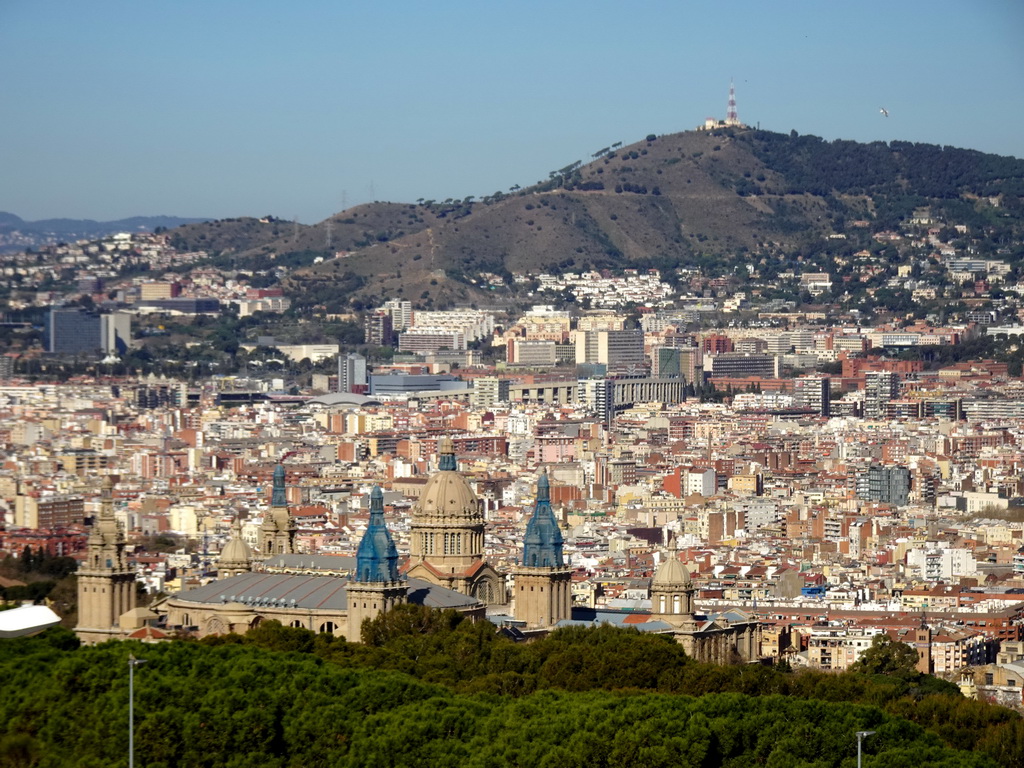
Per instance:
(860,738)
(132,664)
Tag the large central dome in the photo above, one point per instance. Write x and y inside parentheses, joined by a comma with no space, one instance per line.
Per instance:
(447,495)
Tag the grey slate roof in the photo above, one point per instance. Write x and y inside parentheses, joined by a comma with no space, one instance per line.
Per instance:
(278,590)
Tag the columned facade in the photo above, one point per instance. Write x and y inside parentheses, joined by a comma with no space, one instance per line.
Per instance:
(721,639)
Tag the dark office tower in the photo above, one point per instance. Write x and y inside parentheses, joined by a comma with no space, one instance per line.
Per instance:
(72,332)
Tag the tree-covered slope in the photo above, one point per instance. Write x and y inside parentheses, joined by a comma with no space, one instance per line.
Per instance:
(239,705)
(282,697)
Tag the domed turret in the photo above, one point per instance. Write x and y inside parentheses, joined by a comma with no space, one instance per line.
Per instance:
(672,589)
(672,572)
(447,521)
(278,532)
(543,585)
(237,556)
(447,495)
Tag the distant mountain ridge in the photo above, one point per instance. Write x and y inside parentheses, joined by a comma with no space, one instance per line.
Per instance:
(17,233)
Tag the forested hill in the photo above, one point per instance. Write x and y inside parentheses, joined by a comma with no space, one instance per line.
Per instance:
(430,690)
(712,200)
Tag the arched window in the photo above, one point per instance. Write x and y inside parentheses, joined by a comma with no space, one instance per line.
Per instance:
(328,626)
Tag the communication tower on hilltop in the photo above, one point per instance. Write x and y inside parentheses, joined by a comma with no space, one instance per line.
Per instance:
(731,116)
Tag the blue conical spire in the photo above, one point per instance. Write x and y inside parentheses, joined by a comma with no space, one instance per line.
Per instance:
(377,558)
(278,498)
(542,546)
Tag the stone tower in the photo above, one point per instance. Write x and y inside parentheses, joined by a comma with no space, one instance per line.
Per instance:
(106,583)
(376,585)
(278,531)
(543,585)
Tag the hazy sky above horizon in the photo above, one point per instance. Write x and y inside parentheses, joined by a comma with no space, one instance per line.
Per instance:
(230,108)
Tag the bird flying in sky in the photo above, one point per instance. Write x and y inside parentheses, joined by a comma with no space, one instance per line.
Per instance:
(884,111)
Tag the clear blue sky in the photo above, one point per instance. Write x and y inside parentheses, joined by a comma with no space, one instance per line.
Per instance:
(229,108)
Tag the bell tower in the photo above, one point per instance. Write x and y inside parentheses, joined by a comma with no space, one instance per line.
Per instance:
(543,585)
(106,583)
(376,586)
(277,534)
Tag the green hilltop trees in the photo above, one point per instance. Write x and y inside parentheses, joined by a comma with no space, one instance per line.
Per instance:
(429,689)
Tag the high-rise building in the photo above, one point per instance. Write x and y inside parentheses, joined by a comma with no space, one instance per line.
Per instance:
(73,332)
(77,332)
(737,364)
(615,349)
(489,391)
(812,392)
(400,312)
(537,353)
(351,373)
(597,396)
(116,332)
(888,485)
(879,388)
(378,329)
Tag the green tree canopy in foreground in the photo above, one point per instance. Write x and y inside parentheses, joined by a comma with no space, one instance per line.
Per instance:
(235,703)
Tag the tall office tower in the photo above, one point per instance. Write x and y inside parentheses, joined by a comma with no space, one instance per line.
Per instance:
(812,392)
(73,331)
(351,373)
(616,349)
(116,332)
(879,388)
(489,391)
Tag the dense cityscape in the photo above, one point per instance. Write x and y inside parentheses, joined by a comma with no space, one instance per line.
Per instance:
(816,478)
(782,471)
